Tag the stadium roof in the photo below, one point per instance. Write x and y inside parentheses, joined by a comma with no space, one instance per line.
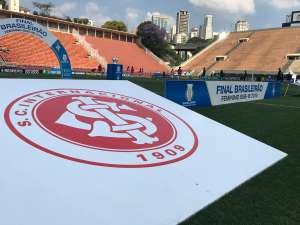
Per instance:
(11,14)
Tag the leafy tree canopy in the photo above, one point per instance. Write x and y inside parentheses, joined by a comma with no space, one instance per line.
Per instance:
(196,40)
(23,8)
(44,8)
(67,18)
(84,21)
(115,25)
(200,43)
(4,4)
(153,38)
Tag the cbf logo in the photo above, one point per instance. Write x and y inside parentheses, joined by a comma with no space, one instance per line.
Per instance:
(274,89)
(100,128)
(118,69)
(189,92)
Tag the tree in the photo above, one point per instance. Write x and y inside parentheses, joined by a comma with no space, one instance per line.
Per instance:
(67,18)
(4,4)
(172,57)
(24,9)
(44,8)
(84,21)
(200,43)
(115,25)
(195,40)
(153,37)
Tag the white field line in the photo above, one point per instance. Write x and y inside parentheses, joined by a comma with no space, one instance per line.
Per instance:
(274,105)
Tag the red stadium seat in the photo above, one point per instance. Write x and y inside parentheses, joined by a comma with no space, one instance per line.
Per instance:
(129,54)
(27,50)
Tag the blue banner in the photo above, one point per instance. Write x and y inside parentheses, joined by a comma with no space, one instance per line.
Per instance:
(274,90)
(211,93)
(114,71)
(63,58)
(188,93)
(15,25)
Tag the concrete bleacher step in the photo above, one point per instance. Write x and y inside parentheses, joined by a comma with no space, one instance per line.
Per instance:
(129,54)
(24,49)
(266,51)
(27,50)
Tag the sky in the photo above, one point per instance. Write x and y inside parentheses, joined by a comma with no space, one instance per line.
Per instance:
(259,13)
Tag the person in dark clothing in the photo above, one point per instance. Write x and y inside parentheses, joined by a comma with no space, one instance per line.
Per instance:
(244,78)
(132,70)
(204,72)
(221,74)
(179,71)
(100,68)
(280,75)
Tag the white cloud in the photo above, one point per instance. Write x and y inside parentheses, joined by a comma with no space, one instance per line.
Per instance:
(148,16)
(132,14)
(92,7)
(64,9)
(285,4)
(230,6)
(133,17)
(94,12)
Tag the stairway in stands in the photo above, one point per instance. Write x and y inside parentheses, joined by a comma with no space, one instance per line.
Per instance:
(3,56)
(129,54)
(25,50)
(264,53)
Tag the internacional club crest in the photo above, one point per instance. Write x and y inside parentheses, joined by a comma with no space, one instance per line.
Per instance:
(101,128)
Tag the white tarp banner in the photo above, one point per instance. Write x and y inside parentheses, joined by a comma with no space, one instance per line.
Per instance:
(228,92)
(113,153)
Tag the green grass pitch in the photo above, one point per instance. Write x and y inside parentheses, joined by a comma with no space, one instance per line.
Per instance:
(273,197)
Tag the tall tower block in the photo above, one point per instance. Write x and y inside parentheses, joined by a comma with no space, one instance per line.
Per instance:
(14,5)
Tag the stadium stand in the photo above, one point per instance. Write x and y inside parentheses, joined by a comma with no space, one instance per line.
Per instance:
(79,57)
(295,67)
(258,51)
(23,50)
(129,54)
(3,55)
(27,51)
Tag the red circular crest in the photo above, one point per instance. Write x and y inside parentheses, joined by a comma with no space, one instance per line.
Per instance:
(100,128)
